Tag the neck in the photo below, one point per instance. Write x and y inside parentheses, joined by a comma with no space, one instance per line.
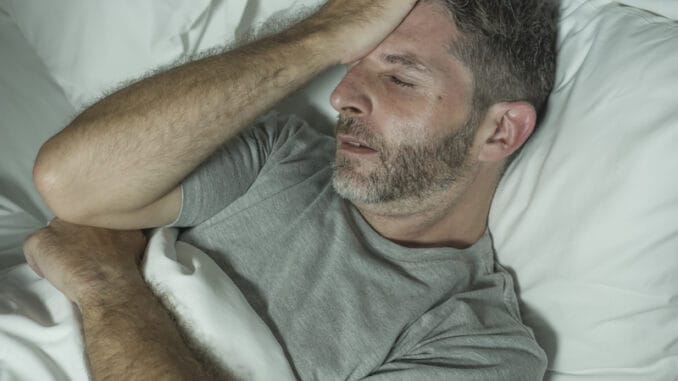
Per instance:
(456,217)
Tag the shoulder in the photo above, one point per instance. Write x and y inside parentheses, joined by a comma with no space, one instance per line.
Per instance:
(290,144)
(280,129)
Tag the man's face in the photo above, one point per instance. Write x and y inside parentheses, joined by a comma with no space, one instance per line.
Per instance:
(403,131)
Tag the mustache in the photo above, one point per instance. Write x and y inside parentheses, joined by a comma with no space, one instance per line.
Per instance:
(358,129)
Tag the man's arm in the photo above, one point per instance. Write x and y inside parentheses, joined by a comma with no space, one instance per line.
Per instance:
(128,334)
(119,163)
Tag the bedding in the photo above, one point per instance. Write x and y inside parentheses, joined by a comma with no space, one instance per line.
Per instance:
(86,44)
(586,217)
(32,108)
(91,47)
(40,331)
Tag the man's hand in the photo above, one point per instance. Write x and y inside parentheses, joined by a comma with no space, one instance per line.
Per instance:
(81,261)
(356,27)
(95,171)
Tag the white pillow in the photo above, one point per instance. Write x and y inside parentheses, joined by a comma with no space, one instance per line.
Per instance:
(232,21)
(587,216)
(91,46)
(666,8)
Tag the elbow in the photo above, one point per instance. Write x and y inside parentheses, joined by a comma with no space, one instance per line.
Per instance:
(45,177)
(51,181)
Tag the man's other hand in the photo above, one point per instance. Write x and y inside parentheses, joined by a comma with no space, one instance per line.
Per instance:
(83,261)
(356,27)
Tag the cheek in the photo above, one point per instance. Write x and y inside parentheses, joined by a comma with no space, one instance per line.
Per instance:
(455,102)
(419,115)
(405,131)
(449,113)
(406,118)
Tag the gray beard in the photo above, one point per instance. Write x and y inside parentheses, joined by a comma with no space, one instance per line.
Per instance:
(405,172)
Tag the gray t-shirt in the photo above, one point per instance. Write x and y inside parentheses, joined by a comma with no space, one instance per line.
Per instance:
(344,302)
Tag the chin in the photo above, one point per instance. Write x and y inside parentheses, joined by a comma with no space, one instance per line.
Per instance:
(351,186)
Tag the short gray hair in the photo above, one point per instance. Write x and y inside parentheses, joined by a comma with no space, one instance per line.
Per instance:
(509,47)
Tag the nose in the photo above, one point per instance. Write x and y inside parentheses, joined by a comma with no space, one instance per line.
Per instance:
(351,94)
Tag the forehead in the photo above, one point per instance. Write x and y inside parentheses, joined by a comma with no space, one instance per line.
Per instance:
(426,35)
(428,21)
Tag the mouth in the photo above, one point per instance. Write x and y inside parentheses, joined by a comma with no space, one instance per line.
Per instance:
(351,144)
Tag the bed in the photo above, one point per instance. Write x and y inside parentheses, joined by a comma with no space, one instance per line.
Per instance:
(586,218)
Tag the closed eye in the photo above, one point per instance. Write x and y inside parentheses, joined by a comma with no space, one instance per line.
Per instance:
(399,82)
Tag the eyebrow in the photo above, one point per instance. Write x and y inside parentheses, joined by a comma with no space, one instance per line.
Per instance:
(406,60)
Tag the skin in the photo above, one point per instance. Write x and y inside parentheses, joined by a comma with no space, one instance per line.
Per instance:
(127,332)
(402,104)
(110,168)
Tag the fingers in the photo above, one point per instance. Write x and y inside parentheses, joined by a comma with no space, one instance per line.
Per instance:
(356,27)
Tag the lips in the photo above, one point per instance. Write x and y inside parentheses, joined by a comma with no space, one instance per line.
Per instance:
(348,141)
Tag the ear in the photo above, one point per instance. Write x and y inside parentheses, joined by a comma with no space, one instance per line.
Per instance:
(506,127)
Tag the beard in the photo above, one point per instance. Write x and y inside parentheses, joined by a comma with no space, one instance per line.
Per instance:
(403,171)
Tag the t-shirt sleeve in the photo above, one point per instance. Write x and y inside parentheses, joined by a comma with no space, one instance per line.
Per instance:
(232,169)
(474,335)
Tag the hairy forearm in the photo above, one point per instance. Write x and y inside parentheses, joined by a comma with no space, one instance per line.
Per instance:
(129,335)
(136,145)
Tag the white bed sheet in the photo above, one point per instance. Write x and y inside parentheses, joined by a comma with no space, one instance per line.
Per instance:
(40,336)
(32,108)
(39,329)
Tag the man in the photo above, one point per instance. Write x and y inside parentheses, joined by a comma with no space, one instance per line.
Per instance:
(367,255)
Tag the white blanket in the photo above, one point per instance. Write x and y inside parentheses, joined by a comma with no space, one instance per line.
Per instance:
(40,337)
